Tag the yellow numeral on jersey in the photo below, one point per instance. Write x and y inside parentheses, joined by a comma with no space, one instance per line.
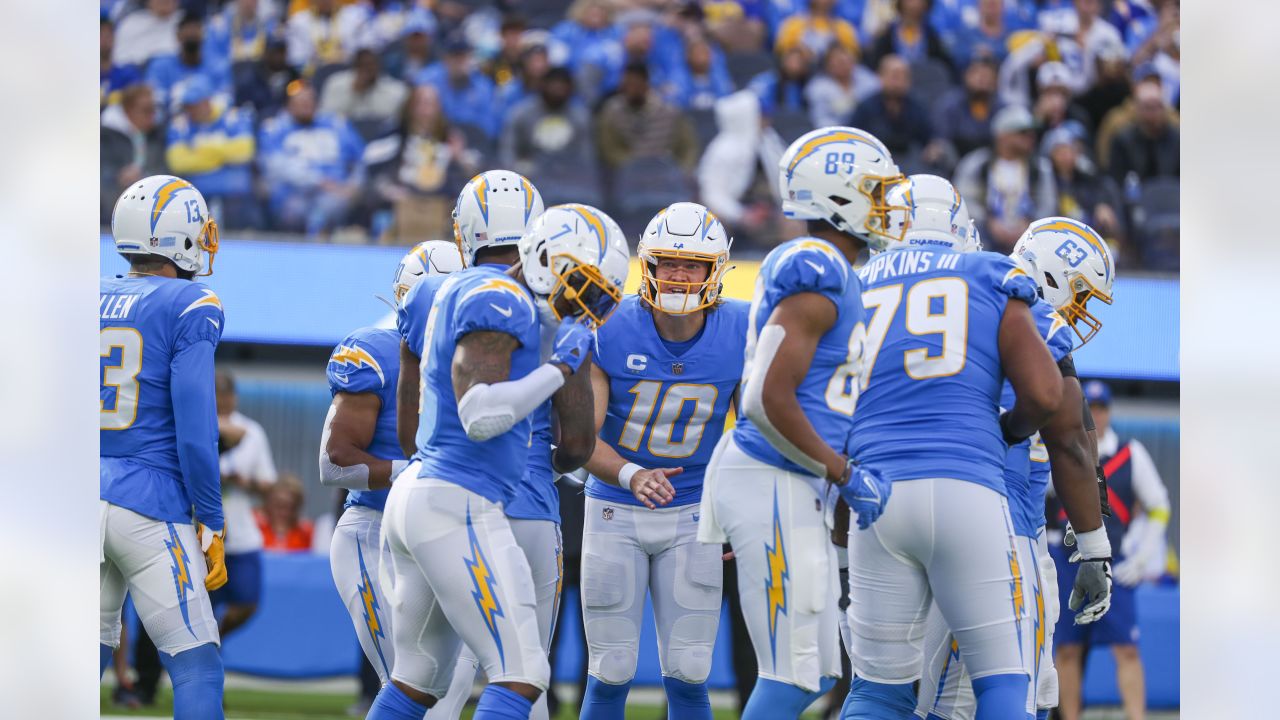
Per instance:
(951,322)
(662,430)
(843,389)
(123,376)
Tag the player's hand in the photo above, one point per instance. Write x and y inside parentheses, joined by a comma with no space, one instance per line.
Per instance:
(214,556)
(572,344)
(653,487)
(1091,594)
(866,492)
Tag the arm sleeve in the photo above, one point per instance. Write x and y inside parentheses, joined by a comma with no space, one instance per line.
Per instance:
(1147,484)
(196,419)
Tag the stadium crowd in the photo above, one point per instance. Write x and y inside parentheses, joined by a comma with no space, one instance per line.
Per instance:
(358,121)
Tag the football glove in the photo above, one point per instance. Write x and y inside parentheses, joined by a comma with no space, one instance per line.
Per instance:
(1091,593)
(214,556)
(865,491)
(572,344)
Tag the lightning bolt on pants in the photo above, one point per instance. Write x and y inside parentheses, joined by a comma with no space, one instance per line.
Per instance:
(788,579)
(160,565)
(356,557)
(458,576)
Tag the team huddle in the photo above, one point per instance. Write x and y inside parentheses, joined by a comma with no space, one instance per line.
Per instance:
(895,428)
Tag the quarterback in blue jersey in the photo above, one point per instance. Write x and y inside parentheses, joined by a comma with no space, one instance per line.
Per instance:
(666,371)
(945,330)
(771,484)
(159,438)
(359,452)
(459,576)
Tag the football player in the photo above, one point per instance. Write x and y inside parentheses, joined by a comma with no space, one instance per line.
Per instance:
(945,329)
(458,574)
(159,437)
(770,484)
(939,218)
(666,369)
(359,452)
(493,210)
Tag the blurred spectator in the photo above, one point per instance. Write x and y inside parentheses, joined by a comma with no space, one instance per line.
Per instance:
(1083,193)
(1150,146)
(1110,87)
(551,124)
(248,470)
(112,78)
(503,67)
(1031,49)
(737,25)
(466,94)
(909,37)
(239,33)
(737,172)
(816,29)
(1053,108)
(1093,35)
(280,519)
(147,32)
(324,34)
(167,74)
(213,148)
(703,78)
(390,20)
(130,146)
(528,78)
(1162,47)
(404,60)
(364,93)
(988,36)
(782,88)
(638,123)
(310,163)
(898,119)
(1007,186)
(839,86)
(263,84)
(643,41)
(586,36)
(409,171)
(962,116)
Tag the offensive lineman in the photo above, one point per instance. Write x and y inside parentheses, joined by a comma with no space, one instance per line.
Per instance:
(159,438)
(458,574)
(359,452)
(769,483)
(946,330)
(666,369)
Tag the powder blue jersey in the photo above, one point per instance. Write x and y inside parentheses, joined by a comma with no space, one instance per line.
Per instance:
(667,408)
(932,374)
(158,419)
(829,391)
(537,498)
(1027,475)
(368,361)
(477,299)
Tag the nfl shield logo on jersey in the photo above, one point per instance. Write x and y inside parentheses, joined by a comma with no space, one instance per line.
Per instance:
(677,368)
(608,513)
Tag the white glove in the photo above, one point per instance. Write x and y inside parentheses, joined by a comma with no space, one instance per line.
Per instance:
(1091,592)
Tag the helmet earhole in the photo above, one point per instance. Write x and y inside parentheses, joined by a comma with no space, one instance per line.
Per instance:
(188,243)
(1048,279)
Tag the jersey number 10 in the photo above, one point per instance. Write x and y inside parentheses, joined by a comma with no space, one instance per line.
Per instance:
(662,432)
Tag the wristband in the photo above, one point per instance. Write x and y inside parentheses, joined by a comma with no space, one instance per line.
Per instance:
(627,472)
(1094,545)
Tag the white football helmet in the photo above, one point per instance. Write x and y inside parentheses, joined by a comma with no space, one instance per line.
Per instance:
(578,255)
(1072,264)
(686,231)
(433,257)
(928,212)
(494,209)
(840,175)
(166,216)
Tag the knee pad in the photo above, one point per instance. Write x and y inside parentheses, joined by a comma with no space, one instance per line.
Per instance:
(617,667)
(686,701)
(1001,696)
(197,679)
(879,701)
(690,665)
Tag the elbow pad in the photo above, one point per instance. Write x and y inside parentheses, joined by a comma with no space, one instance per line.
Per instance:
(767,344)
(487,411)
(355,477)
